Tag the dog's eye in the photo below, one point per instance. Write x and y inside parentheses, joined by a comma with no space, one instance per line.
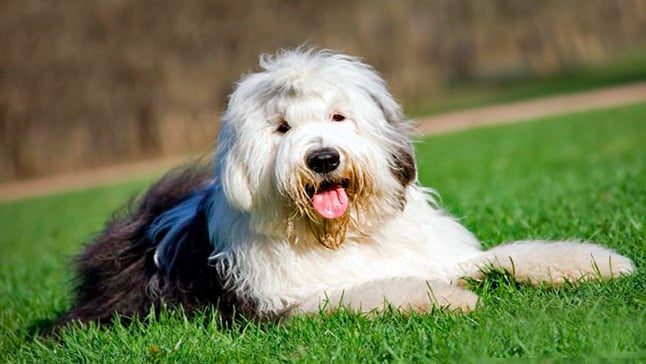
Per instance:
(283,127)
(338,117)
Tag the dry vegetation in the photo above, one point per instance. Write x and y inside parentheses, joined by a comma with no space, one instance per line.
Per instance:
(86,83)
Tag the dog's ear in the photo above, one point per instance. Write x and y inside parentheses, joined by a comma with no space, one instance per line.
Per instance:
(403,157)
(231,171)
(403,164)
(235,183)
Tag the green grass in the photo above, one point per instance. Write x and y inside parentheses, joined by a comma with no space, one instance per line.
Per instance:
(626,68)
(581,175)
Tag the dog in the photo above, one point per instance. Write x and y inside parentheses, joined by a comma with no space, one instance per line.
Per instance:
(311,204)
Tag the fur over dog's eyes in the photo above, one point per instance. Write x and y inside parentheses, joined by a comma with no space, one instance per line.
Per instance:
(338,117)
(283,127)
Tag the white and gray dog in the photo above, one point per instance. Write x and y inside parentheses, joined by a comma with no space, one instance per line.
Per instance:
(311,204)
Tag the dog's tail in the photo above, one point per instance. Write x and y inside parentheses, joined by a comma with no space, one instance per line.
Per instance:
(120,273)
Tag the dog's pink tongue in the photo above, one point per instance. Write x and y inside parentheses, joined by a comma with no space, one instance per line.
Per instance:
(331,203)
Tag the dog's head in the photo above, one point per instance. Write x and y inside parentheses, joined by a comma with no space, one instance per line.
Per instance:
(314,145)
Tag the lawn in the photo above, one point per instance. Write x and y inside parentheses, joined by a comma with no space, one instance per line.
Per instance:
(580,175)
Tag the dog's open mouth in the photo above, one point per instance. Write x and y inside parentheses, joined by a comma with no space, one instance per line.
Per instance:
(330,199)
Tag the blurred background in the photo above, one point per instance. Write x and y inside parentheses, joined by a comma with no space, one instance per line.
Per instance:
(87,83)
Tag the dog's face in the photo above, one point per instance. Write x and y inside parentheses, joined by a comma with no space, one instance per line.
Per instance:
(314,146)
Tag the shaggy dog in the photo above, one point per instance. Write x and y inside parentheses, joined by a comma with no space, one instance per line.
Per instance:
(312,203)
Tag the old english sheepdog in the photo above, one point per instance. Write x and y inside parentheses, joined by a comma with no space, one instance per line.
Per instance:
(311,204)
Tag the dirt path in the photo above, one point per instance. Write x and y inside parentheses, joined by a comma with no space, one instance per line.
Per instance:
(453,121)
(531,109)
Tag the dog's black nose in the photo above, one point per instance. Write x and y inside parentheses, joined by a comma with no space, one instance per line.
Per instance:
(323,160)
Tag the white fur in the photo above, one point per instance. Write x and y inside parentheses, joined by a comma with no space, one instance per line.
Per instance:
(391,253)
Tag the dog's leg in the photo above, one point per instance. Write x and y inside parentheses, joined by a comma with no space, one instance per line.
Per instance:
(406,294)
(537,262)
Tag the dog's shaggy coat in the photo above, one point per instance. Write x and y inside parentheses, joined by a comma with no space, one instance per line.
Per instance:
(311,204)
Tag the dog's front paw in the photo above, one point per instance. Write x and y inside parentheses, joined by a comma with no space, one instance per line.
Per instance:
(607,264)
(445,296)
(553,263)
(586,262)
(459,300)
